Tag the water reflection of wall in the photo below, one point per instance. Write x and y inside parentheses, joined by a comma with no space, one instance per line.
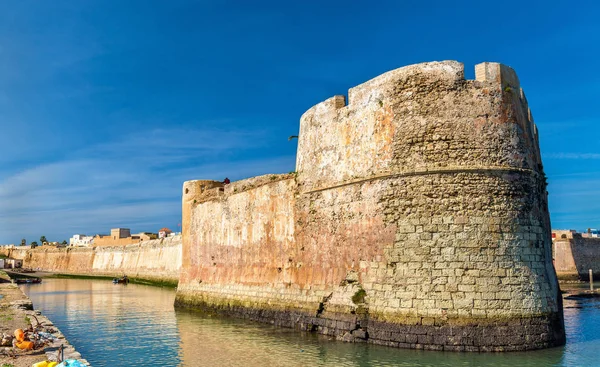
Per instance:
(111,323)
(216,341)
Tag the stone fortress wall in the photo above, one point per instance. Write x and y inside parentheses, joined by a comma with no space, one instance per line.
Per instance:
(575,255)
(418,218)
(153,260)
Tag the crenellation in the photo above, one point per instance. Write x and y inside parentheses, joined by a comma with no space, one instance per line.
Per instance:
(501,75)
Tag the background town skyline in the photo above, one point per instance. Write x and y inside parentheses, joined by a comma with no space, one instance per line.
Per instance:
(107,107)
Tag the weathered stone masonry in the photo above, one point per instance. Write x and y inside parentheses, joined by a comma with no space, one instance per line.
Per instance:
(574,256)
(417,218)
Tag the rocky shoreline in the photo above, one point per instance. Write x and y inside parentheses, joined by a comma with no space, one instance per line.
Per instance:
(17,312)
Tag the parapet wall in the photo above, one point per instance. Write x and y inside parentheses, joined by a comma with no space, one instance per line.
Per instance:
(154,260)
(418,218)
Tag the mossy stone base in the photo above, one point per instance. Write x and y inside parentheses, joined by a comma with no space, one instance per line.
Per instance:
(503,335)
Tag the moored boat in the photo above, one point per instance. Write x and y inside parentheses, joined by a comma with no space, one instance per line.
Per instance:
(122,280)
(27,280)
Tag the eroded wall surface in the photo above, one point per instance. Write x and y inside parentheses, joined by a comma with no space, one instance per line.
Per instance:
(15,253)
(156,260)
(417,218)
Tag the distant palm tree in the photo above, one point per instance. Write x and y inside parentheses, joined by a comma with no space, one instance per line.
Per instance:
(34,244)
(43,239)
(23,242)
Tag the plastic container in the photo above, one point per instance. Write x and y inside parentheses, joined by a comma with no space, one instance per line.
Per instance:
(71,363)
(45,364)
(19,334)
(25,345)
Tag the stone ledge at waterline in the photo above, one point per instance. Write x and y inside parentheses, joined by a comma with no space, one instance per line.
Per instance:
(157,261)
(417,217)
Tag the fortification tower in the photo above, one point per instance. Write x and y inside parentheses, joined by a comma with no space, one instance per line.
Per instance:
(418,218)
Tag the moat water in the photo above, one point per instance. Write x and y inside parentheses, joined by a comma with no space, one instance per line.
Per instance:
(136,325)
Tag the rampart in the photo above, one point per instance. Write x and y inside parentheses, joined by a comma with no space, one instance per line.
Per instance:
(417,218)
(575,256)
(17,252)
(153,260)
(112,242)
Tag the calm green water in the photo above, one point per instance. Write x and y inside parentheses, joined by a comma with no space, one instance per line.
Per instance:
(136,325)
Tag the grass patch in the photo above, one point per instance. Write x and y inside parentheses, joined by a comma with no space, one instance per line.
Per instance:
(5,315)
(79,276)
(155,283)
(4,277)
(359,296)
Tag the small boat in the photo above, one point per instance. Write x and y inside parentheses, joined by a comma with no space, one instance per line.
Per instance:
(122,280)
(28,280)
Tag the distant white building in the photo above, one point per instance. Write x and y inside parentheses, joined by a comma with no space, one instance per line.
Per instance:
(164,232)
(81,240)
(13,263)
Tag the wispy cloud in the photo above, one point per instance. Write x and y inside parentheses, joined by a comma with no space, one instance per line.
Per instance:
(572,155)
(134,182)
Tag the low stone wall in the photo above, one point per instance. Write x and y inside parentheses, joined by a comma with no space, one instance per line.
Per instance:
(574,257)
(154,260)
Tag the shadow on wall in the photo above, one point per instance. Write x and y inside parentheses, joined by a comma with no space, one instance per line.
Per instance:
(575,256)
(586,253)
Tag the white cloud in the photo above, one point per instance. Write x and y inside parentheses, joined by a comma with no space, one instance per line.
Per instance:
(133,182)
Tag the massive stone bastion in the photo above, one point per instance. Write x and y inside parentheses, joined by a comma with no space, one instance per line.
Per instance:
(417,218)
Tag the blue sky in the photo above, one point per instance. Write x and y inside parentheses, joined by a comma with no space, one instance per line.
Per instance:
(108,106)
